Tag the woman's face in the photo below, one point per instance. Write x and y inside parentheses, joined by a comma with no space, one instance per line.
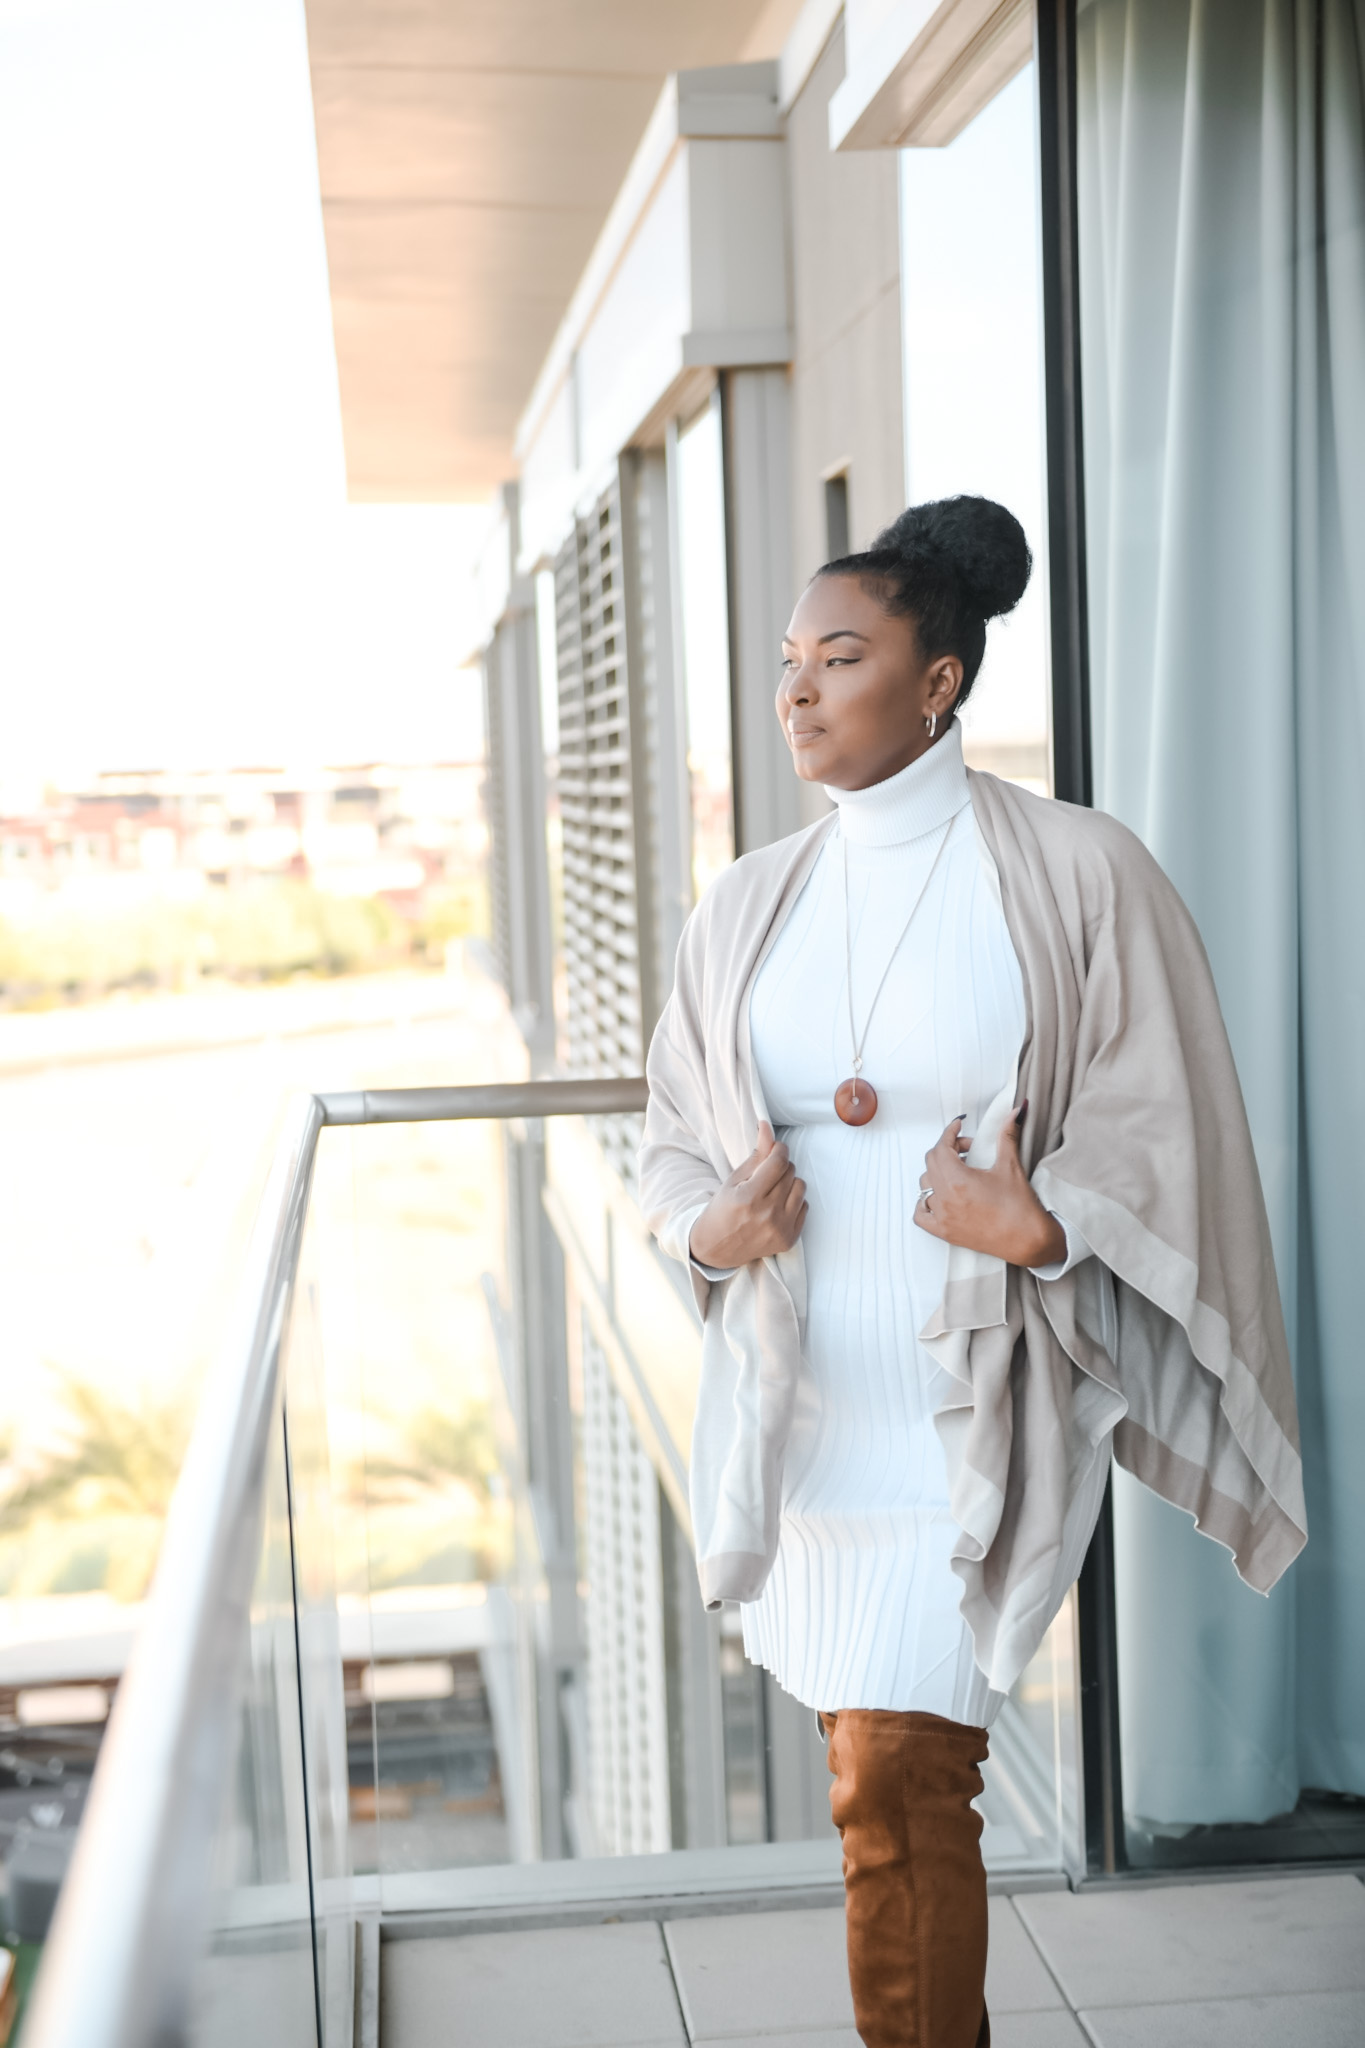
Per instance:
(856,694)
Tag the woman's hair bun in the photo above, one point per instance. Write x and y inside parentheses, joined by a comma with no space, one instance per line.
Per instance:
(950,566)
(976,542)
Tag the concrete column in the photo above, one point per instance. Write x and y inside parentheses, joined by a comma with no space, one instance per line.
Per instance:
(756,419)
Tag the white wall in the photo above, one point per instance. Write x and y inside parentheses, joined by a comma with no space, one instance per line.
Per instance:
(846,377)
(690,275)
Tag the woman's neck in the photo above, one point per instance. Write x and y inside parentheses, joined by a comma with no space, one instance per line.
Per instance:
(906,805)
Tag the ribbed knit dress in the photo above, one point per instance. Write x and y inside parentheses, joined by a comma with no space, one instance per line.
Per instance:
(862,1606)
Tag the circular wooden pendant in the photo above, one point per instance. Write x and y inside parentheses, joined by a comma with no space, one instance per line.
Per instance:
(855,1102)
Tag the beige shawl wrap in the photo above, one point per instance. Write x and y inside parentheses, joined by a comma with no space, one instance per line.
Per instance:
(1136,1133)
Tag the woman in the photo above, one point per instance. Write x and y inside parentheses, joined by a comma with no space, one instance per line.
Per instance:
(943,1119)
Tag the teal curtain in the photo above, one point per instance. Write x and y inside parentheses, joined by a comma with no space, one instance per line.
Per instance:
(1222,218)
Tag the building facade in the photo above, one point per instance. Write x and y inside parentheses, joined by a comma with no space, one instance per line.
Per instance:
(1073,259)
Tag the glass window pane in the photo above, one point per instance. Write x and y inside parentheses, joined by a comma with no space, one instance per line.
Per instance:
(706,643)
(972,326)
(1219,183)
(972,340)
(741,1692)
(547,675)
(547,656)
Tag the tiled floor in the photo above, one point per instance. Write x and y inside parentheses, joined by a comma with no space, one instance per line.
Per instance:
(1260,1963)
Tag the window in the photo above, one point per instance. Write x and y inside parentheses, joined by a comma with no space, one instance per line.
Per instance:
(971,321)
(706,643)
(1219,181)
(836,516)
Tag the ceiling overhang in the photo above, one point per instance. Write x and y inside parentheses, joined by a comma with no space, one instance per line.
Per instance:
(469,155)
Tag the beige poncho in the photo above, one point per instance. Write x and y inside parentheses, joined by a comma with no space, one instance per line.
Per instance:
(1136,1132)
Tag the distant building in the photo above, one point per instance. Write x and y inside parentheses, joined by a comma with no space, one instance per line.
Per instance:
(369,830)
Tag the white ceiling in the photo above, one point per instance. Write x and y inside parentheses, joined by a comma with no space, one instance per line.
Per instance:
(469,151)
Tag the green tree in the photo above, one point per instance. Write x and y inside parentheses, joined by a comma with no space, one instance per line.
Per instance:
(83,1512)
(432,1448)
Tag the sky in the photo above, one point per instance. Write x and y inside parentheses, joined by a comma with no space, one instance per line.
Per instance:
(182,582)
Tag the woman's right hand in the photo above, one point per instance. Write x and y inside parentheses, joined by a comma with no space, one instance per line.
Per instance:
(757,1212)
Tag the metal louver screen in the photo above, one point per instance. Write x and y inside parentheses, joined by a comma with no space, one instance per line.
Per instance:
(601,925)
(627,1709)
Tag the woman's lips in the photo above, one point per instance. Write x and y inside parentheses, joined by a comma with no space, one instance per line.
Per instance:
(805,735)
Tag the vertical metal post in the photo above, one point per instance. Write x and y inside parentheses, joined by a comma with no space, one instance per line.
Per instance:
(1055,66)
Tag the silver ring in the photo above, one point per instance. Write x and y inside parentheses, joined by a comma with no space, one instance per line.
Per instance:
(925,1193)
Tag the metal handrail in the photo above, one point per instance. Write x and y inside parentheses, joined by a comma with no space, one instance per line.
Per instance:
(502,1099)
(120,1959)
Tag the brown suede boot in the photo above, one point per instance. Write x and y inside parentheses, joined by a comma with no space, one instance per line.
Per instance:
(913,1876)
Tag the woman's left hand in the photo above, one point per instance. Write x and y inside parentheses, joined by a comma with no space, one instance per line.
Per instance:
(987,1208)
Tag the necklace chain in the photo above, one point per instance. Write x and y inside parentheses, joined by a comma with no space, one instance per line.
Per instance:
(859,1043)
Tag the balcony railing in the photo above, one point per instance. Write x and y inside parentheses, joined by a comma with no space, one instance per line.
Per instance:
(335,1716)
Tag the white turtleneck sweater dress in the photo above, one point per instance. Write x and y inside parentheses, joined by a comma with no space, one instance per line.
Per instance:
(862,1606)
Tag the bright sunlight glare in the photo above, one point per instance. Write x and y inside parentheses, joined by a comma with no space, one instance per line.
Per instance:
(181,580)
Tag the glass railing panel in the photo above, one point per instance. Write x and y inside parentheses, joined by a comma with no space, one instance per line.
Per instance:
(1032,1803)
(510,1368)
(256,1981)
(427,1634)
(321,1684)
(409,1245)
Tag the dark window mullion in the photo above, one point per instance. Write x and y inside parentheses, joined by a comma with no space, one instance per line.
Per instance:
(1055,66)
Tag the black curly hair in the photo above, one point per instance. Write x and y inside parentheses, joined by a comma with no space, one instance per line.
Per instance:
(950,566)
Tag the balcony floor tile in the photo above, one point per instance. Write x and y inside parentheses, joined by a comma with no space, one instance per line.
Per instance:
(1262,1936)
(1017,1979)
(1307,2019)
(557,1987)
(1247,1963)
(751,1974)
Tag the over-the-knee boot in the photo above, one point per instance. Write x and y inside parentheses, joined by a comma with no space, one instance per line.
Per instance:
(913,1876)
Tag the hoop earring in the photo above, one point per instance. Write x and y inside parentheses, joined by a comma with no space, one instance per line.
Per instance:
(932,723)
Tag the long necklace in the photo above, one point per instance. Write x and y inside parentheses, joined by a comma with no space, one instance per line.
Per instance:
(855,1100)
